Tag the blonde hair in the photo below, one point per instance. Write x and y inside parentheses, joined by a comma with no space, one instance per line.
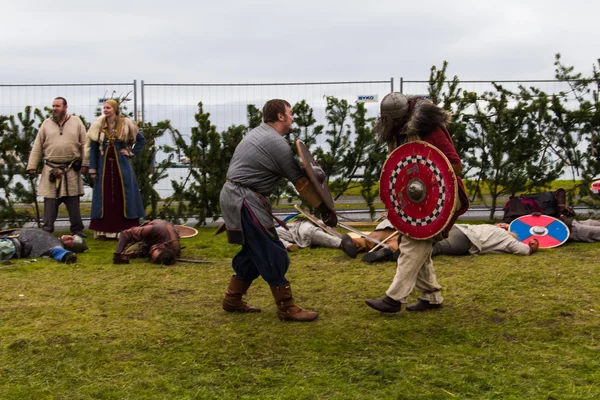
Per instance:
(120,121)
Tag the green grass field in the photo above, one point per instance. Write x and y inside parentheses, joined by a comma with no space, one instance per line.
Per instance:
(512,328)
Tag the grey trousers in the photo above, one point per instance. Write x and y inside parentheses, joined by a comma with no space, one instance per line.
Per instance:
(306,234)
(457,244)
(51,212)
(585,231)
(323,239)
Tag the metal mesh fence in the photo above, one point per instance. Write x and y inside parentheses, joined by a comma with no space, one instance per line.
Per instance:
(227,103)
(82,98)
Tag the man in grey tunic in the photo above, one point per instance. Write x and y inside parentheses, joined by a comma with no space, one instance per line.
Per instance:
(261,159)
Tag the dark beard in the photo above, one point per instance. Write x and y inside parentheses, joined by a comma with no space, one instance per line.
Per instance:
(59,117)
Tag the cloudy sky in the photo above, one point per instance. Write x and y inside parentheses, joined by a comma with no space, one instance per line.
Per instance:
(181,41)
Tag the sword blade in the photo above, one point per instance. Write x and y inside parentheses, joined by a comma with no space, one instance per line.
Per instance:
(318,222)
(369,238)
(37,208)
(187,260)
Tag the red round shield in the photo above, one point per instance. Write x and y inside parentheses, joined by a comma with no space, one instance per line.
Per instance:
(418,187)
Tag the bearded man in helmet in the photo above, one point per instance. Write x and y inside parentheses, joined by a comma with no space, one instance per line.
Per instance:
(405,119)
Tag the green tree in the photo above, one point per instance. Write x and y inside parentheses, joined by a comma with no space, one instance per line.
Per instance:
(304,126)
(507,145)
(451,97)
(199,193)
(254,116)
(338,143)
(540,128)
(366,156)
(147,169)
(578,125)
(356,152)
(16,139)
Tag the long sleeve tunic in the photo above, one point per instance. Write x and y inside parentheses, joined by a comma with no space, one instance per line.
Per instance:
(261,159)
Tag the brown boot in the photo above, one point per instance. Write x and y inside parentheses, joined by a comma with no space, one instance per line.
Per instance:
(232,302)
(287,310)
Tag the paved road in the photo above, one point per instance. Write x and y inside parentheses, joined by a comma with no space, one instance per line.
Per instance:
(474,213)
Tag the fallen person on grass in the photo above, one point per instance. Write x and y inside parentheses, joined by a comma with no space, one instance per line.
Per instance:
(158,240)
(34,242)
(303,233)
(465,239)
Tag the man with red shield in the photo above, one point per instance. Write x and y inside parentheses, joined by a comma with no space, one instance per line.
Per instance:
(406,119)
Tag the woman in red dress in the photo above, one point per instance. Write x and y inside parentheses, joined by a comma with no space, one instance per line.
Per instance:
(116,200)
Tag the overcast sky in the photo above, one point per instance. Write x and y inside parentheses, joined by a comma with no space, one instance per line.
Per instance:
(239,41)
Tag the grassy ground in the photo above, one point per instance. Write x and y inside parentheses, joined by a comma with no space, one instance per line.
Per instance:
(512,328)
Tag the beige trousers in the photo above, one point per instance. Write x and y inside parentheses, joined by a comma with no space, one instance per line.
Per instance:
(415,271)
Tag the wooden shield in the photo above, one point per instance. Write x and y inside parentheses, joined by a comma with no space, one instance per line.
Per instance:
(9,230)
(418,187)
(549,232)
(315,174)
(185,231)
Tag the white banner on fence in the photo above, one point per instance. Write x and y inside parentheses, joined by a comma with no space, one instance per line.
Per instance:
(368,98)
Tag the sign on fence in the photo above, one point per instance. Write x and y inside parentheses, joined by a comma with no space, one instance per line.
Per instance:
(368,98)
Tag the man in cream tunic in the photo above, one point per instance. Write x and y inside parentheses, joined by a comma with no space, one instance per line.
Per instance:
(60,145)
(483,239)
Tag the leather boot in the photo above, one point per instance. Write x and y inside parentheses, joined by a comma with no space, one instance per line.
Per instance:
(385,304)
(383,254)
(287,310)
(423,305)
(348,246)
(232,302)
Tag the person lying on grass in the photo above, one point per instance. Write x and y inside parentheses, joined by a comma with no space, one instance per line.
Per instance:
(34,242)
(302,233)
(465,239)
(158,240)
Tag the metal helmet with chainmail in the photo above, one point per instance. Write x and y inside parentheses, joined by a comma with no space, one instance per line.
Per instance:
(402,116)
(79,245)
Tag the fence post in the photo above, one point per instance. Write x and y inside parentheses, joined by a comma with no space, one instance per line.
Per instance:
(135,112)
(401,85)
(392,84)
(143,116)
